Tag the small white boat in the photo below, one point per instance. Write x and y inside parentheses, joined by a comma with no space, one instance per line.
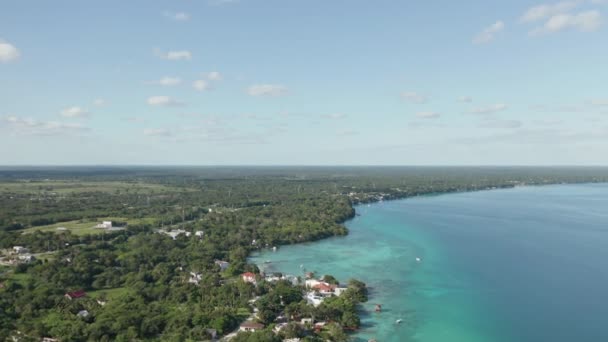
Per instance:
(399,321)
(418,259)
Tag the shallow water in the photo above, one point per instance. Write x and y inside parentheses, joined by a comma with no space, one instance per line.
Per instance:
(523,264)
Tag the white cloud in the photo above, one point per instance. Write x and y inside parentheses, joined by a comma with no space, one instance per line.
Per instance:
(8,52)
(346,132)
(466,99)
(158,132)
(221,2)
(489,109)
(334,116)
(544,11)
(178,55)
(163,101)
(414,97)
(29,126)
(428,115)
(584,21)
(599,102)
(272,90)
(74,112)
(177,16)
(487,35)
(167,81)
(214,76)
(501,124)
(201,85)
(99,102)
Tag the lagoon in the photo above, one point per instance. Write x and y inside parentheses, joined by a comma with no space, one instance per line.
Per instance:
(521,264)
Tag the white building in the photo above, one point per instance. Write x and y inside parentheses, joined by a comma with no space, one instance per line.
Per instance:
(20,250)
(104,225)
(26,258)
(222,264)
(251,326)
(175,233)
(313,299)
(195,278)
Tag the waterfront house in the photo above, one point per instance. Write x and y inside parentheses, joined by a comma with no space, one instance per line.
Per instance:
(324,289)
(251,326)
(313,299)
(248,277)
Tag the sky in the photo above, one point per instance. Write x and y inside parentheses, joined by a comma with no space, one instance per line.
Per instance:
(303,82)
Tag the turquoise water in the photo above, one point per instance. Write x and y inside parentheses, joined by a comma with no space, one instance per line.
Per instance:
(523,264)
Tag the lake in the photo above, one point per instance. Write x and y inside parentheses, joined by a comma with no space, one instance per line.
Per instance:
(522,264)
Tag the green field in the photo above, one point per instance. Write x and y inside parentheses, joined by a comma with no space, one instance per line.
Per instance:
(65,187)
(84,227)
(109,294)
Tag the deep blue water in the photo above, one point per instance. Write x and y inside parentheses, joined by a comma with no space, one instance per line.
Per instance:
(523,264)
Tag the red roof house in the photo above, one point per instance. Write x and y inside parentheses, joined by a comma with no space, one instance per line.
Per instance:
(75,294)
(248,277)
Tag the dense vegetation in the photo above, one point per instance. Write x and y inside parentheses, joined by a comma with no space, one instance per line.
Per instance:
(137,281)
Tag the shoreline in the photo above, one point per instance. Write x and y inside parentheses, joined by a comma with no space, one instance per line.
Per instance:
(374,296)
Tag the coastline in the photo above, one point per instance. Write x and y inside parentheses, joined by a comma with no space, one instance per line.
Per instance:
(316,255)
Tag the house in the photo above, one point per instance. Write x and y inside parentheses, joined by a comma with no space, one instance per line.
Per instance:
(199,233)
(319,326)
(212,333)
(101,302)
(83,314)
(222,264)
(175,233)
(20,250)
(75,294)
(338,291)
(49,339)
(195,278)
(104,225)
(311,283)
(325,288)
(279,327)
(305,321)
(251,326)
(313,299)
(27,258)
(249,277)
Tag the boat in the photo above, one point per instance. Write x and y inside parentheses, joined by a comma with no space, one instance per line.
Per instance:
(399,321)
(418,259)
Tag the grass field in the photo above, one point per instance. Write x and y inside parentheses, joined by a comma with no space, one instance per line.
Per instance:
(66,187)
(109,294)
(84,227)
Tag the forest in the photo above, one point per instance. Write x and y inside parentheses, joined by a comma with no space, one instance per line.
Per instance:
(140,282)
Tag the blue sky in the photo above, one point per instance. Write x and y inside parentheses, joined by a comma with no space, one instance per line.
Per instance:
(304,82)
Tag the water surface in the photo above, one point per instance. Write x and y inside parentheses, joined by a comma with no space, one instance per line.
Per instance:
(523,264)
